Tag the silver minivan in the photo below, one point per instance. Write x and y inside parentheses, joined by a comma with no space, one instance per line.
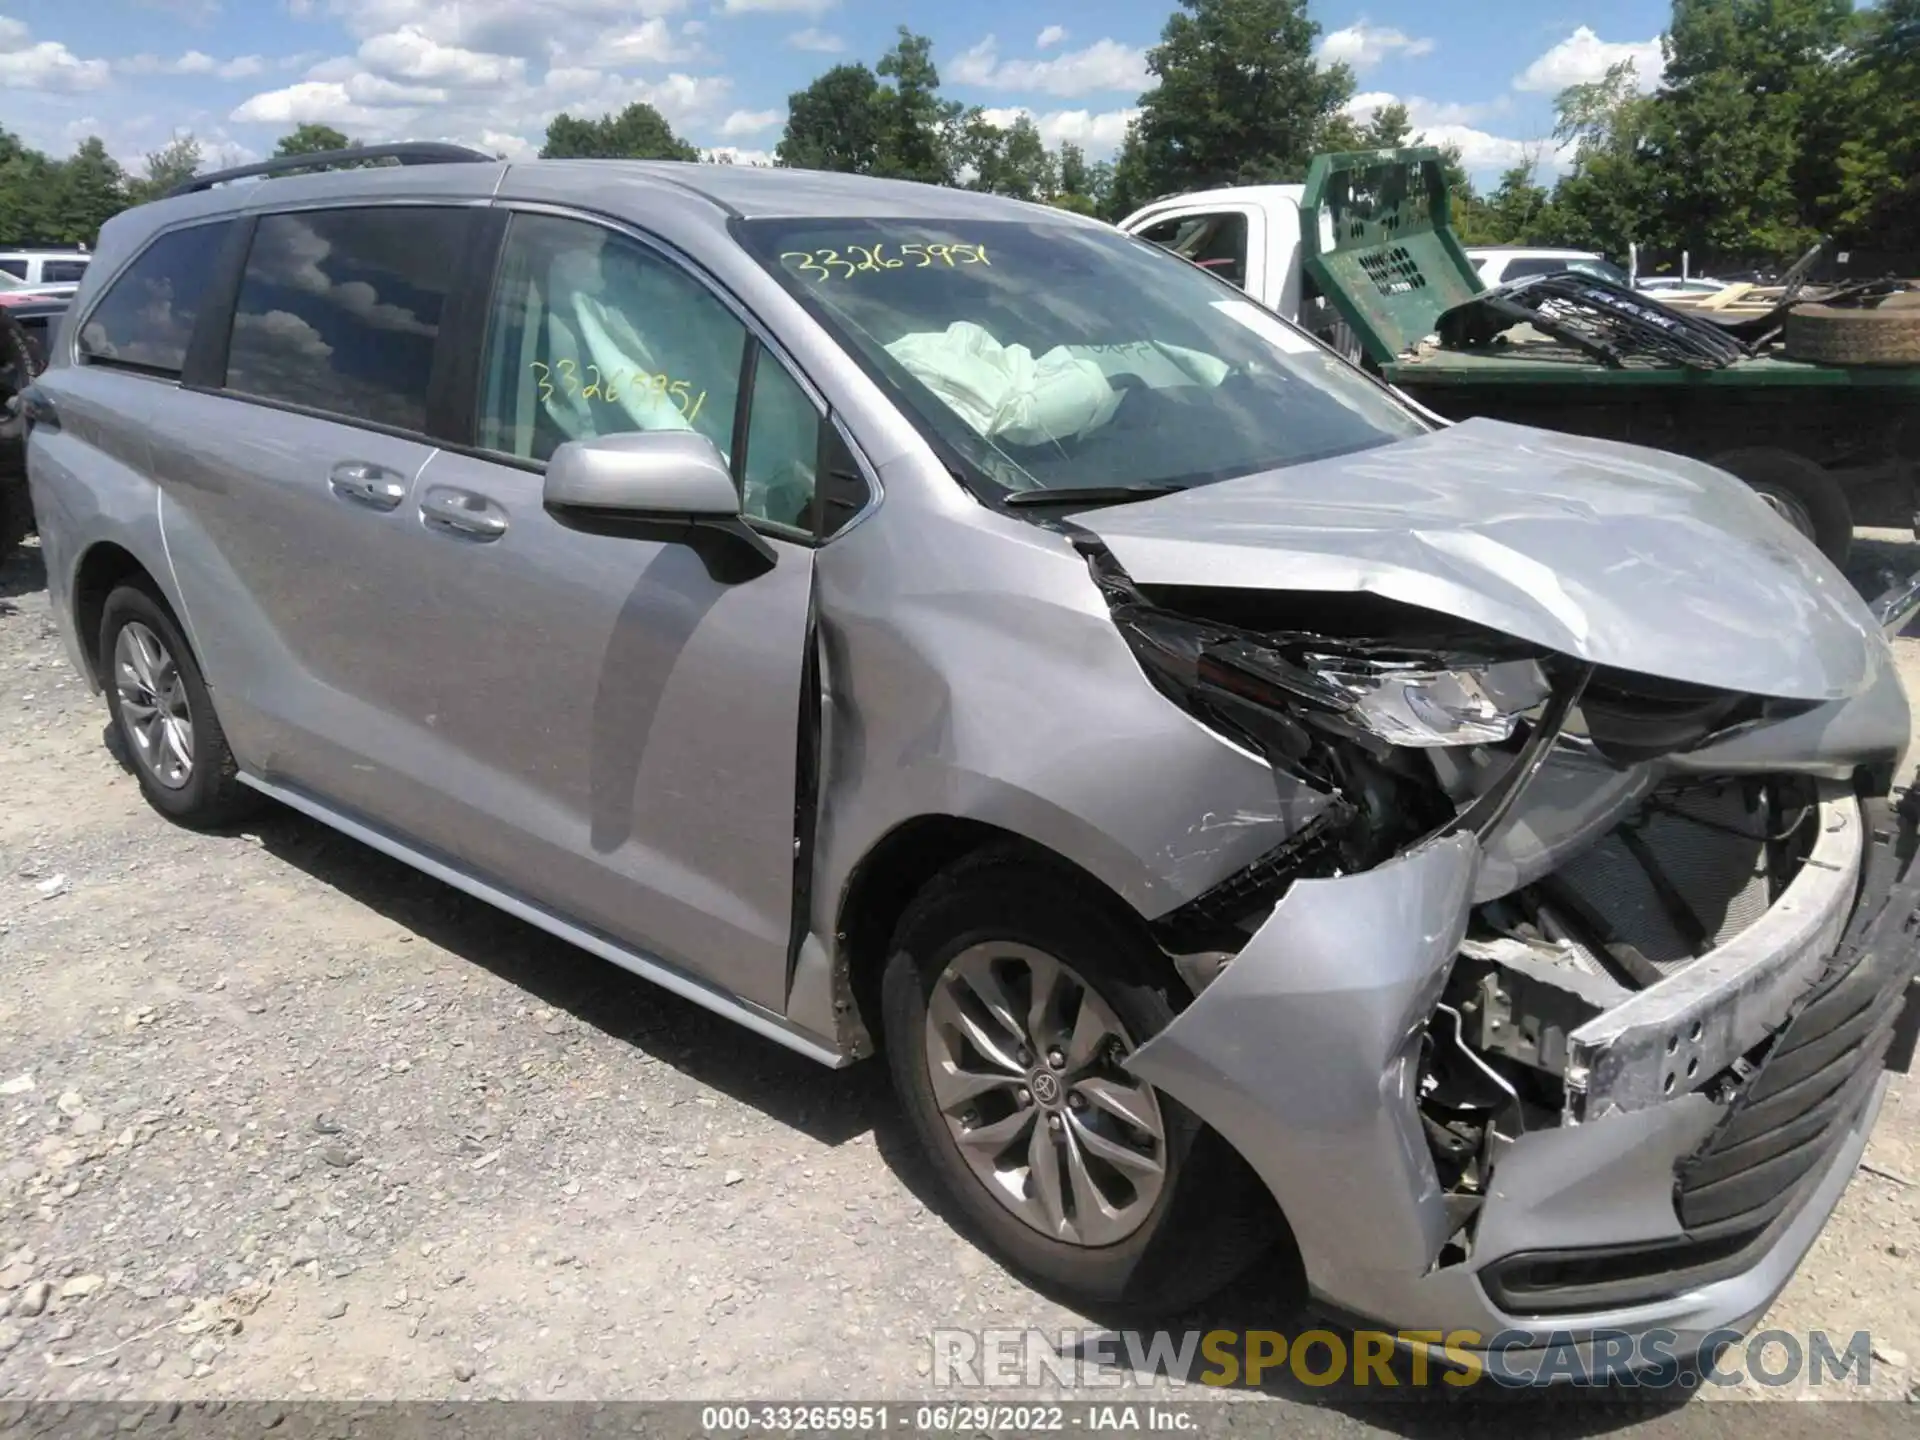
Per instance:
(1244,809)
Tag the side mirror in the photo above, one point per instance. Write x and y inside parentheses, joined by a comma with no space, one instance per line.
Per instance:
(668,485)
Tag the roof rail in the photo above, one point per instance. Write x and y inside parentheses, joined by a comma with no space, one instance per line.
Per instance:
(407,152)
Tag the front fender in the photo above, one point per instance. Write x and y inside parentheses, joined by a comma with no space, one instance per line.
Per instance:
(1303,1054)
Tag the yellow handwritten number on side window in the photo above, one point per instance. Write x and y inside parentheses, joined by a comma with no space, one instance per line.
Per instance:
(608,387)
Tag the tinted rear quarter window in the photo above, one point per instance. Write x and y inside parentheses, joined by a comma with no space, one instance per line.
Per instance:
(339,310)
(146,316)
(62,272)
(15,268)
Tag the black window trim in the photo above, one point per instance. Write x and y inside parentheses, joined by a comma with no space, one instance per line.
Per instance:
(209,356)
(165,373)
(758,339)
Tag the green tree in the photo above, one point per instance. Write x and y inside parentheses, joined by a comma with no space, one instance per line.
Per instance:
(917,129)
(89,189)
(1388,128)
(172,164)
(638,132)
(1877,199)
(834,124)
(1011,160)
(1130,185)
(1518,211)
(1076,176)
(1737,152)
(311,140)
(1609,200)
(1241,98)
(26,192)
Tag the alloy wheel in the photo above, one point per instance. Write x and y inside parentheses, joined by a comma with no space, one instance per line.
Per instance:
(1024,1058)
(154,712)
(1790,509)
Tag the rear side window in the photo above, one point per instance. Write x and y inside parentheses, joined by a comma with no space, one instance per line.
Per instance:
(1527,269)
(339,310)
(62,272)
(1213,242)
(146,317)
(15,268)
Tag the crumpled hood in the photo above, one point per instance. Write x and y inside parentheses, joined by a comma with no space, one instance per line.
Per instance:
(1615,554)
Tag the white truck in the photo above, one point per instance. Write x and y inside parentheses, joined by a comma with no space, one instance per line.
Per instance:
(1364,256)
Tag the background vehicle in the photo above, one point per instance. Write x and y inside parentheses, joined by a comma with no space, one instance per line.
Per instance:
(38,267)
(1503,264)
(1167,748)
(1664,285)
(27,324)
(12,290)
(1829,445)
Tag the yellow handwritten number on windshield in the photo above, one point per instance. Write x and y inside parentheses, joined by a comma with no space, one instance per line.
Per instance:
(832,265)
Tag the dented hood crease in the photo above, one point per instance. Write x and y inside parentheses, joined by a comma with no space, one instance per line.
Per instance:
(1617,555)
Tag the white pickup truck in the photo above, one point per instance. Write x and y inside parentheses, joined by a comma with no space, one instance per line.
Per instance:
(1364,256)
(1249,234)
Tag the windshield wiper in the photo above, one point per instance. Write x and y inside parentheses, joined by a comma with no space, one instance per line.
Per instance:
(1090,494)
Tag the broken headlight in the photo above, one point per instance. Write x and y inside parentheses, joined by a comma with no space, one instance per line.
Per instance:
(1408,703)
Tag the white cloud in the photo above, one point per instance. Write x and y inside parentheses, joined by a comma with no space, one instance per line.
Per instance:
(47,65)
(410,54)
(1482,153)
(750,122)
(1364,46)
(734,155)
(311,102)
(1052,35)
(195,62)
(1099,133)
(651,42)
(1103,65)
(816,40)
(783,7)
(1584,57)
(524,28)
(493,73)
(366,89)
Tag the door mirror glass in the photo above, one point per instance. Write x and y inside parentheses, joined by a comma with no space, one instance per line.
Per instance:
(659,475)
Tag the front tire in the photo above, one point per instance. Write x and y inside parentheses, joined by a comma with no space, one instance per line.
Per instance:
(1801,492)
(163,713)
(1013,991)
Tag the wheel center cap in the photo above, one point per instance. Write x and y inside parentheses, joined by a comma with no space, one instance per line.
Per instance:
(1046,1087)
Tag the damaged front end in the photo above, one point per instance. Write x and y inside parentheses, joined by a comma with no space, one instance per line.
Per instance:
(1570,1010)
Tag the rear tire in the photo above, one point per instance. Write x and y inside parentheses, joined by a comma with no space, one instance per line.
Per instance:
(163,713)
(1210,1216)
(1804,495)
(16,512)
(18,365)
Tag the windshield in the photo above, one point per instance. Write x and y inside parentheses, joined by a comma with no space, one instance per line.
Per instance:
(1600,270)
(1062,357)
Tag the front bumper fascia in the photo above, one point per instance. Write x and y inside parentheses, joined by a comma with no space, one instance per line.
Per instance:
(1303,1054)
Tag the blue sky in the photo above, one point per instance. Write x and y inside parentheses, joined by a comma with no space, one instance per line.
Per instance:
(238,73)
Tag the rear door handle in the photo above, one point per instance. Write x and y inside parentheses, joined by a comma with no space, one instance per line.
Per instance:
(369,484)
(463,513)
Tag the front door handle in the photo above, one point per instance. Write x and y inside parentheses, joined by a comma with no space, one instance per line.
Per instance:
(368,484)
(463,513)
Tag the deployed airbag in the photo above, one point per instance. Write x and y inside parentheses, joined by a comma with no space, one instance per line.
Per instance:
(1002,391)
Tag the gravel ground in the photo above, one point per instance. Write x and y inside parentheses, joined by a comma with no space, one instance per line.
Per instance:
(282,1119)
